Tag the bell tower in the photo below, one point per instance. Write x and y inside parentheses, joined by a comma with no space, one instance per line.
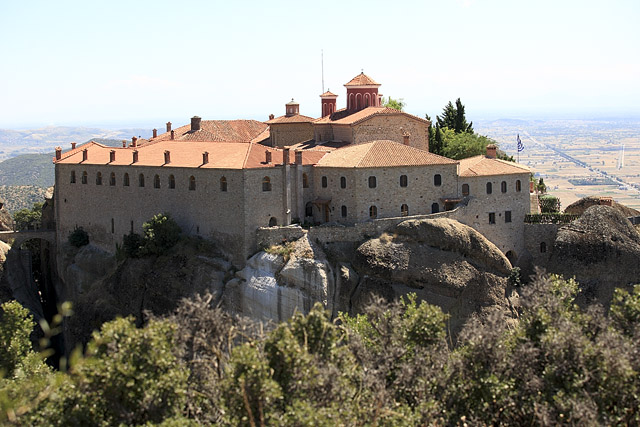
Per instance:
(362,92)
(328,103)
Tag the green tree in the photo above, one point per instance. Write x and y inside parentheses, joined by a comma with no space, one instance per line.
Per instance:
(549,203)
(396,104)
(160,234)
(453,117)
(462,145)
(28,218)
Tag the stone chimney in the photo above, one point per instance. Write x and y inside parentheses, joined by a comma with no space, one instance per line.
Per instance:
(285,156)
(134,141)
(58,153)
(173,136)
(298,155)
(112,156)
(124,143)
(155,133)
(492,151)
(73,145)
(168,126)
(85,155)
(205,157)
(135,156)
(267,156)
(195,123)
(271,117)
(405,138)
(167,157)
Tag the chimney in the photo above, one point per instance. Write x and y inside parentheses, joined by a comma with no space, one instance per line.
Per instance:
(124,143)
(85,155)
(298,154)
(167,157)
(112,156)
(134,141)
(491,151)
(135,156)
(205,157)
(195,123)
(168,126)
(405,138)
(531,187)
(267,156)
(285,156)
(155,133)
(172,135)
(271,117)
(73,145)
(58,153)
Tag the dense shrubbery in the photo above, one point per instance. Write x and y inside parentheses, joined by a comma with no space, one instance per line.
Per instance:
(161,233)
(78,237)
(394,365)
(28,219)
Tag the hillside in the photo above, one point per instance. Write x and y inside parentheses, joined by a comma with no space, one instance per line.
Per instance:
(18,197)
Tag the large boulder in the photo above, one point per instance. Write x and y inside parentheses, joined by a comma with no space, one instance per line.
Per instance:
(601,249)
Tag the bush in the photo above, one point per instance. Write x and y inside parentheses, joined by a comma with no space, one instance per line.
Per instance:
(26,219)
(160,233)
(549,204)
(78,237)
(132,245)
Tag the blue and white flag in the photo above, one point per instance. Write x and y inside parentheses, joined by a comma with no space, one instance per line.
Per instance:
(520,144)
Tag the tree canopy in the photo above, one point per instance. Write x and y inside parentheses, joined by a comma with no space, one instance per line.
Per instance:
(396,104)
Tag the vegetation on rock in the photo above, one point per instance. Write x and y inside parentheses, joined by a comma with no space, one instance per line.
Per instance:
(28,218)
(79,237)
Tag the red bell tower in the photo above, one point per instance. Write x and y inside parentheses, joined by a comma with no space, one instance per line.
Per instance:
(329,103)
(362,92)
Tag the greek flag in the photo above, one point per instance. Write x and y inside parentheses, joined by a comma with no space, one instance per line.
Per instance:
(520,144)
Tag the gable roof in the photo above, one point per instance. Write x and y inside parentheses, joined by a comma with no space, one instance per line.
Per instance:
(487,166)
(328,94)
(218,131)
(362,80)
(342,116)
(382,153)
(297,118)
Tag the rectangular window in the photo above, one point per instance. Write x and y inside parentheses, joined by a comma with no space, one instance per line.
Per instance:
(492,217)
(507,216)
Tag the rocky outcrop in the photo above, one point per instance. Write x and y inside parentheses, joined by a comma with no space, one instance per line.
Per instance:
(580,206)
(601,249)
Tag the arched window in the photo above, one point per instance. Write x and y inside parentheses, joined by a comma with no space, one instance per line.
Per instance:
(308,209)
(99,178)
(324,182)
(518,186)
(350,103)
(84,177)
(489,188)
(373,212)
(112,179)
(156,181)
(437,180)
(223,184)
(305,180)
(404,210)
(125,180)
(404,181)
(343,210)
(366,100)
(141,180)
(172,181)
(543,247)
(435,208)
(73,177)
(273,221)
(192,183)
(503,186)
(465,189)
(266,184)
(372,182)
(343,182)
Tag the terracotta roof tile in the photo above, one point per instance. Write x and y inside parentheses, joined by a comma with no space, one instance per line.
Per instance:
(297,118)
(486,166)
(328,94)
(217,131)
(341,117)
(362,80)
(381,154)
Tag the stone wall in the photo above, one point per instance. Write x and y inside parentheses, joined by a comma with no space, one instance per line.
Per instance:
(392,127)
(285,134)
(538,242)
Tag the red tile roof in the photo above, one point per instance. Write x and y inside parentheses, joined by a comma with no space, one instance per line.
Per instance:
(217,131)
(297,118)
(327,94)
(381,154)
(486,166)
(362,80)
(341,118)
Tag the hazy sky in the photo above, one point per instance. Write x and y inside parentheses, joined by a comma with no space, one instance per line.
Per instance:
(123,63)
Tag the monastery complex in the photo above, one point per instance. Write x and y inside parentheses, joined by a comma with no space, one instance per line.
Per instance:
(225,179)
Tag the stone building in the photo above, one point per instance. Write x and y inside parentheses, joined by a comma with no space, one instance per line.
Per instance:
(223,179)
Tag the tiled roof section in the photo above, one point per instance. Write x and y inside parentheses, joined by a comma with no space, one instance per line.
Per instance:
(327,94)
(381,154)
(341,117)
(256,157)
(486,166)
(362,80)
(217,131)
(298,118)
(311,145)
(263,136)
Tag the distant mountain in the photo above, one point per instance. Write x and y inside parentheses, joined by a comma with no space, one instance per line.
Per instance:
(28,169)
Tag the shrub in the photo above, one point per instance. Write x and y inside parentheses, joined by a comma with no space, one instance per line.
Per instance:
(78,237)
(549,204)
(160,233)
(132,245)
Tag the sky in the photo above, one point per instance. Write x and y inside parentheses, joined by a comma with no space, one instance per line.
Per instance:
(142,63)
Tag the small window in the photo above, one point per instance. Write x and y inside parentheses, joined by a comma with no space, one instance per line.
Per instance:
(343,210)
(465,189)
(305,180)
(172,181)
(73,177)
(518,186)
(404,181)
(373,212)
(372,182)
(507,216)
(112,179)
(435,208)
(489,188)
(156,181)
(192,183)
(503,186)
(543,247)
(113,226)
(308,210)
(99,178)
(324,182)
(343,182)
(125,180)
(273,221)
(223,184)
(141,180)
(492,217)
(266,184)
(404,210)
(84,177)
(437,180)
